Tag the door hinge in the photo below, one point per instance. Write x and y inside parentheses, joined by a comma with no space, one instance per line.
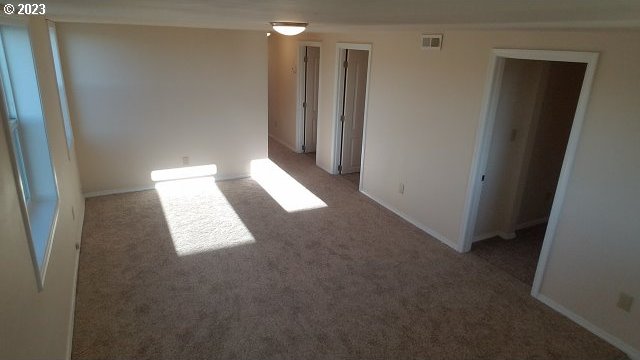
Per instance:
(304,148)
(306,59)
(482,178)
(304,104)
(346,64)
(339,168)
(341,118)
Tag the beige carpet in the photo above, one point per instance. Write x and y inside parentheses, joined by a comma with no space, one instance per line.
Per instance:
(235,276)
(518,257)
(353,178)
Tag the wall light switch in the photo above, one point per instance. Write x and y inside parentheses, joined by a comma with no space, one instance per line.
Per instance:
(625,301)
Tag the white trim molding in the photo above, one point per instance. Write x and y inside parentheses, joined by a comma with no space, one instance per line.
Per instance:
(510,235)
(117,191)
(300,91)
(413,222)
(500,234)
(337,126)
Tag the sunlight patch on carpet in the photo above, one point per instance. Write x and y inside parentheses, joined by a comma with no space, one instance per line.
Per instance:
(199,216)
(284,189)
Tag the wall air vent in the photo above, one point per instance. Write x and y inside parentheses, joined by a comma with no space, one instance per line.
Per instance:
(431,41)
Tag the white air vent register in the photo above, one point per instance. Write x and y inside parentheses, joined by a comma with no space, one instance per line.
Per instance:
(431,41)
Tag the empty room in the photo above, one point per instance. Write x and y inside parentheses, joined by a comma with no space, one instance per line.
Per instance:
(320,180)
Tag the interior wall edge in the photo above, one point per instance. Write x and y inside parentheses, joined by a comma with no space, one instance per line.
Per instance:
(414,222)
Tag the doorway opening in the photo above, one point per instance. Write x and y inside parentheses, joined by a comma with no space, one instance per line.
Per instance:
(533,115)
(353,83)
(308,91)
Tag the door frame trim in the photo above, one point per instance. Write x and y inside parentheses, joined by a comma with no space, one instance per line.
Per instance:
(483,142)
(300,91)
(337,128)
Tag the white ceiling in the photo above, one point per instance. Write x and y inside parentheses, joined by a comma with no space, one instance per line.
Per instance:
(330,15)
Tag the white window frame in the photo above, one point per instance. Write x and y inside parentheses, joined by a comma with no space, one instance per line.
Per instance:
(62,92)
(39,217)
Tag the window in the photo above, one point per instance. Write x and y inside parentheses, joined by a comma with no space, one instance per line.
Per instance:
(27,134)
(64,104)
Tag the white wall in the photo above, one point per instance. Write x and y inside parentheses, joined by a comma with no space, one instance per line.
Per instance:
(142,97)
(424,110)
(37,325)
(283,88)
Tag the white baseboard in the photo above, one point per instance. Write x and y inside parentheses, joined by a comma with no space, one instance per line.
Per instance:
(118,191)
(626,348)
(501,234)
(72,315)
(414,222)
(510,235)
(485,236)
(152,187)
(528,224)
(285,144)
(234,177)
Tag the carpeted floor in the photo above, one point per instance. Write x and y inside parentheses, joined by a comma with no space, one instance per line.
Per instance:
(235,276)
(353,178)
(518,257)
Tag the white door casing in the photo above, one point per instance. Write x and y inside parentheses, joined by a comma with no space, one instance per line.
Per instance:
(312,77)
(355,91)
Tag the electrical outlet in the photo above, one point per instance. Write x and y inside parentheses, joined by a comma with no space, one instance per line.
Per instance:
(401,188)
(185,160)
(625,301)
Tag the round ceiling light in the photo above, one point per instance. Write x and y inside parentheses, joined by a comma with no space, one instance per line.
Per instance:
(289,28)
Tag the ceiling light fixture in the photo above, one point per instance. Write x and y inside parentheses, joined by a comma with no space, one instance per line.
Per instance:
(289,28)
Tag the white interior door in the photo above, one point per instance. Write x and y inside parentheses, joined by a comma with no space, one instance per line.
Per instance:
(312,73)
(355,91)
